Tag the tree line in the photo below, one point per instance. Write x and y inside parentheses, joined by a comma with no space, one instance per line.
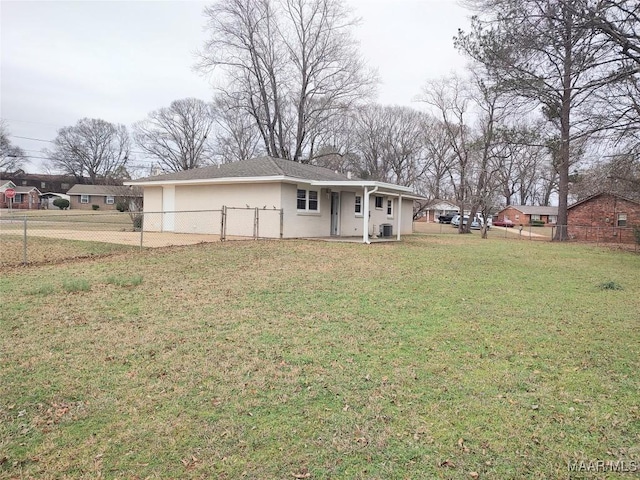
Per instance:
(548,110)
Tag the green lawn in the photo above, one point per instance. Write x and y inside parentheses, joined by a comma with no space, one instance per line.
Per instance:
(438,357)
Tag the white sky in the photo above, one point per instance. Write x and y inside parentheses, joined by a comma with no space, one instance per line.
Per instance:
(61,61)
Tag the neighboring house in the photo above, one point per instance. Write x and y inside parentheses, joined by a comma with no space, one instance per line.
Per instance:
(290,199)
(604,217)
(106,197)
(436,208)
(26,198)
(525,214)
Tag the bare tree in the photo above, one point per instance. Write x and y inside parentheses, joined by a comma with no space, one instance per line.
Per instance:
(290,65)
(541,50)
(438,160)
(389,143)
(236,136)
(11,156)
(178,136)
(617,19)
(91,148)
(472,115)
(449,101)
(618,174)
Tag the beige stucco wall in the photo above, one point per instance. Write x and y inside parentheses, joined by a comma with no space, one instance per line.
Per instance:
(152,203)
(351,223)
(303,224)
(197,210)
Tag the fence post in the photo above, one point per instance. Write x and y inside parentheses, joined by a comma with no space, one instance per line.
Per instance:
(141,229)
(281,223)
(24,246)
(223,224)
(255,223)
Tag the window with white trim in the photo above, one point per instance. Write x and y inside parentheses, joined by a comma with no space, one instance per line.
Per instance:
(622,220)
(389,208)
(18,198)
(308,200)
(358,207)
(84,198)
(379,203)
(109,200)
(535,217)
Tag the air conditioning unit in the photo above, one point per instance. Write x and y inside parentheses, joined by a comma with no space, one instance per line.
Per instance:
(386,230)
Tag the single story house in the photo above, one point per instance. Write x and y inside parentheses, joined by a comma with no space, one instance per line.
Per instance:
(26,198)
(274,198)
(436,208)
(106,197)
(605,217)
(525,214)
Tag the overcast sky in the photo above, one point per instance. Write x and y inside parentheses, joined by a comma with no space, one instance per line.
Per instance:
(118,60)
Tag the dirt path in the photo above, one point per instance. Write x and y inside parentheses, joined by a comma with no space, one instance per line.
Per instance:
(149,239)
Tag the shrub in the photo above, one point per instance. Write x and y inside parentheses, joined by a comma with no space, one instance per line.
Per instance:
(61,203)
(76,285)
(537,223)
(610,285)
(122,206)
(137,222)
(95,207)
(132,281)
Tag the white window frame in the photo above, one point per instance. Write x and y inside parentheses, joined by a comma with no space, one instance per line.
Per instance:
(389,207)
(110,200)
(376,198)
(358,206)
(621,217)
(308,200)
(535,217)
(85,198)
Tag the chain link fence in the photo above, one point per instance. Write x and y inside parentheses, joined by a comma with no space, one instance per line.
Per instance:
(38,237)
(517,232)
(629,236)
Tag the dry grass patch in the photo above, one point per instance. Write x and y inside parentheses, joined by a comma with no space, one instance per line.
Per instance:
(322,360)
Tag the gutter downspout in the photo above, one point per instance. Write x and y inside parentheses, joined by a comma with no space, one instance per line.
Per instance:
(367,202)
(399,216)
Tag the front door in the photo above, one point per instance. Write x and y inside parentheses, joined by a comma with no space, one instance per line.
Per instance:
(335,213)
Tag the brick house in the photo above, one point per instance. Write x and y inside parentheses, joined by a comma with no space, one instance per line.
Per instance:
(106,197)
(525,214)
(436,208)
(27,198)
(604,217)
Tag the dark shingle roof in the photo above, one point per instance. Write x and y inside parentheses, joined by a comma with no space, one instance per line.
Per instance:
(106,190)
(534,209)
(256,167)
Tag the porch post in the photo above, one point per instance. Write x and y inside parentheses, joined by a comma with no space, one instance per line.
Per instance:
(399,216)
(365,217)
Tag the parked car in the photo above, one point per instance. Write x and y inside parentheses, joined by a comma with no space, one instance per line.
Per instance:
(476,224)
(504,223)
(446,218)
(455,221)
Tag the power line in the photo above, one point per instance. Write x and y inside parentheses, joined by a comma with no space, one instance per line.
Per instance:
(31,138)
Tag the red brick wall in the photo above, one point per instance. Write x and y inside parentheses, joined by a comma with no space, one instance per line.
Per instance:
(24,205)
(596,219)
(516,216)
